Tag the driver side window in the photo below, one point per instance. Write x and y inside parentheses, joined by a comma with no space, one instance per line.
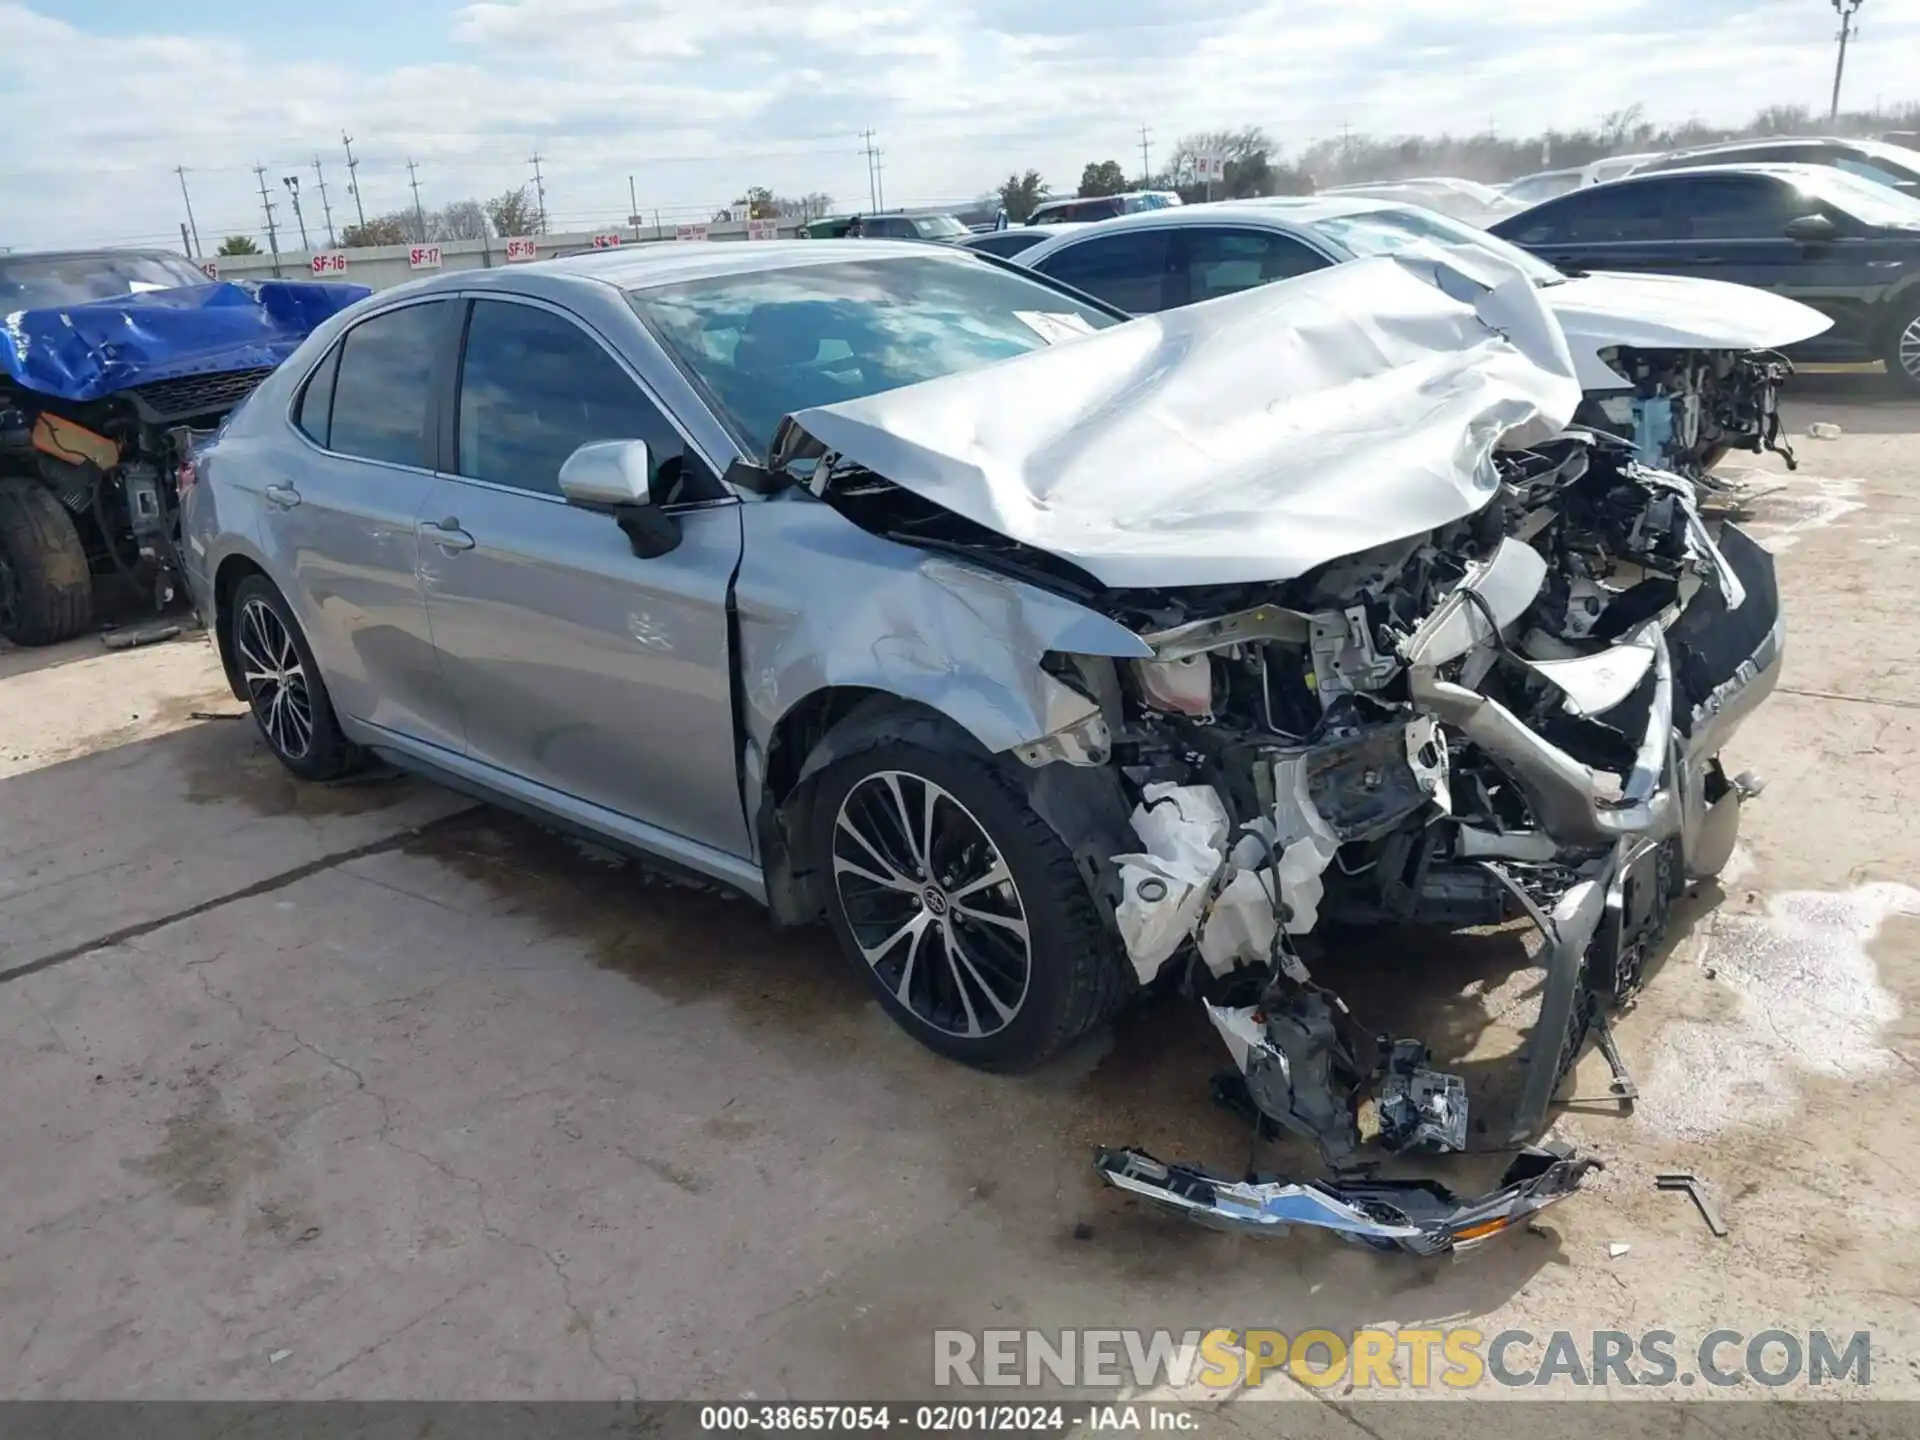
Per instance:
(535,387)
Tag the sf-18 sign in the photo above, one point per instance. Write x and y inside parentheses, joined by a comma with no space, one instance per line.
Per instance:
(607,241)
(522,249)
(330,262)
(424,257)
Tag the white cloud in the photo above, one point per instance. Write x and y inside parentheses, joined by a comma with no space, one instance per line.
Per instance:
(698,100)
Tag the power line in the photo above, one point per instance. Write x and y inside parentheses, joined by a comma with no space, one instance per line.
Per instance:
(419,215)
(320,177)
(873,187)
(353,180)
(266,204)
(1845,9)
(181,171)
(539,193)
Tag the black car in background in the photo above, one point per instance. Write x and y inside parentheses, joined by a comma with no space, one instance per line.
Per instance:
(1846,246)
(1894,165)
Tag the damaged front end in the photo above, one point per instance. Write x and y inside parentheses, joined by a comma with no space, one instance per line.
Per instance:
(1518,715)
(1412,653)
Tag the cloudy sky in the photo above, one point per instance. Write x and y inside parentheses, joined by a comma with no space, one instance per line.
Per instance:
(697,99)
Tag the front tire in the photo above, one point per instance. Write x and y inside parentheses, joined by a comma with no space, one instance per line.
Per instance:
(1902,353)
(288,698)
(962,907)
(46,588)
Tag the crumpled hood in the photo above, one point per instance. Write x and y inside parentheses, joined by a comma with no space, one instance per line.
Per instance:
(82,352)
(1248,438)
(1671,312)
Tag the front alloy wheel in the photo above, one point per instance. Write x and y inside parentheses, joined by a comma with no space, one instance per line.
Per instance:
(973,924)
(932,906)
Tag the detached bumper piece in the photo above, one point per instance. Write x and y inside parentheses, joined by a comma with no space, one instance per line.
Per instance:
(1415,1217)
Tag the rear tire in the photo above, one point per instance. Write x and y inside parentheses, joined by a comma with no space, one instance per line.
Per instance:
(46,589)
(998,973)
(285,692)
(1902,351)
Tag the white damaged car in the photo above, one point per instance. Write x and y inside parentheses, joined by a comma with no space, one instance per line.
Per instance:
(1684,368)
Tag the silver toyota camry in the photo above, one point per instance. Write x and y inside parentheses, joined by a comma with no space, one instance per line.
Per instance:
(1044,654)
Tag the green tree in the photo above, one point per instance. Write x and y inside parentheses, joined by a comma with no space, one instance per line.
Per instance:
(1021,193)
(1103,177)
(513,215)
(395,229)
(238,245)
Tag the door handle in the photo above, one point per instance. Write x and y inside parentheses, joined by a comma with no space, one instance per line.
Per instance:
(283,496)
(447,534)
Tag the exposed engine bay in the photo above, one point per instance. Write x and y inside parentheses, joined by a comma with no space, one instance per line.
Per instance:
(1688,409)
(1517,716)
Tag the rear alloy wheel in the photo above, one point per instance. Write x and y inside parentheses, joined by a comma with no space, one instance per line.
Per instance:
(1903,354)
(963,908)
(284,689)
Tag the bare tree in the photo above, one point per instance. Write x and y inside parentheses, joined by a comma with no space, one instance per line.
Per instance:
(461,220)
(394,229)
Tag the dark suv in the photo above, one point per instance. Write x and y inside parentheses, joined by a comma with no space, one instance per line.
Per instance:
(1849,247)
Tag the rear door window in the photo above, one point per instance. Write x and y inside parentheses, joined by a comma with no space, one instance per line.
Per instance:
(380,398)
(1127,270)
(1224,262)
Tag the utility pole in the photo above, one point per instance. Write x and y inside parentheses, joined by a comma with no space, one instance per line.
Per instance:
(1146,168)
(353,180)
(419,215)
(192,224)
(320,177)
(1845,9)
(266,204)
(873,188)
(633,209)
(880,178)
(539,194)
(292,182)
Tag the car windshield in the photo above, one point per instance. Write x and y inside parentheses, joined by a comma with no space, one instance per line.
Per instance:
(37,282)
(1389,232)
(938,227)
(1868,201)
(765,345)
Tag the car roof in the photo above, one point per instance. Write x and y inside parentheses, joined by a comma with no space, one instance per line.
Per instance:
(102,252)
(1782,169)
(645,267)
(1281,210)
(1770,142)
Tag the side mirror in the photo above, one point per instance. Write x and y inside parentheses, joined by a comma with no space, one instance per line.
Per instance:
(1811,229)
(611,476)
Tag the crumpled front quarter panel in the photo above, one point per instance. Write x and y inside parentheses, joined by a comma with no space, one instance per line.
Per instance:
(823,603)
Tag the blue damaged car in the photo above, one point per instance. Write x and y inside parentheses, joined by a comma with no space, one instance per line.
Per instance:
(112,362)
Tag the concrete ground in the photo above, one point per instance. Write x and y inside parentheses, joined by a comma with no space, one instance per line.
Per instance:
(367,1091)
